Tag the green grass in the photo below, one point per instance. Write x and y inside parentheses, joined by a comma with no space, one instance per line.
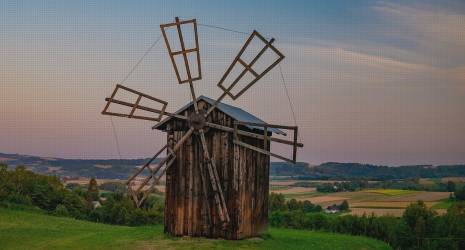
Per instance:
(32,230)
(443,204)
(391,192)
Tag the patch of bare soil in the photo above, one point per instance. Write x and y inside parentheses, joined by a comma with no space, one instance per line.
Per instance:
(296,190)
(424,196)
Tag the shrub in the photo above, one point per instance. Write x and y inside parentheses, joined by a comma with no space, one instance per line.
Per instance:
(61,210)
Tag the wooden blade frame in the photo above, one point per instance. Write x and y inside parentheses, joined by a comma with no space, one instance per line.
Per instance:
(168,161)
(135,105)
(210,164)
(248,67)
(267,139)
(184,51)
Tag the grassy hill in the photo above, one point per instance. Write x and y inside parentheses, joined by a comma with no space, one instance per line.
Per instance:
(33,230)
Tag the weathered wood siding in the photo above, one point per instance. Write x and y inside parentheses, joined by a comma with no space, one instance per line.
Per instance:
(243,175)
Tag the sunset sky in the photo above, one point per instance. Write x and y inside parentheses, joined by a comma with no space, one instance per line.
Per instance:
(378,82)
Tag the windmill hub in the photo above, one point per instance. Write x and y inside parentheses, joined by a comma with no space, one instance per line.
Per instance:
(197,120)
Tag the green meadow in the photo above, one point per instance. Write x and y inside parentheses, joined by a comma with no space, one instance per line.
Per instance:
(35,230)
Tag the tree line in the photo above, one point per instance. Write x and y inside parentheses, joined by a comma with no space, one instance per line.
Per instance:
(363,183)
(345,171)
(20,188)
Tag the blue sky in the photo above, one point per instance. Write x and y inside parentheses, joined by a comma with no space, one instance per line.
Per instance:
(372,81)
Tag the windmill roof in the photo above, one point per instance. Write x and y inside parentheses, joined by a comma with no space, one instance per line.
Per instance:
(234,112)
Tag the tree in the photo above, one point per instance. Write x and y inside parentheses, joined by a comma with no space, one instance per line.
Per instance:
(61,210)
(344,206)
(4,182)
(92,191)
(75,205)
(420,221)
(460,194)
(450,186)
(293,205)
(277,202)
(308,207)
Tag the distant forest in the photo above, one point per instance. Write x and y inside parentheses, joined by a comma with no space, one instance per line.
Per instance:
(121,169)
(345,171)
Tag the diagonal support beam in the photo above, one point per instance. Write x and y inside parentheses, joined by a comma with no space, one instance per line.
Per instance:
(214,180)
(168,161)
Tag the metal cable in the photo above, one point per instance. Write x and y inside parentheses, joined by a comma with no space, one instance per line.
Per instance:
(289,99)
(280,71)
(226,29)
(121,83)
(116,138)
(140,60)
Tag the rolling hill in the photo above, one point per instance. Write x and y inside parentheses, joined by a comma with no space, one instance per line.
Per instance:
(122,169)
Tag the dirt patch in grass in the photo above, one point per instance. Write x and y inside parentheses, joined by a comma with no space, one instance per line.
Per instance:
(276,188)
(54,169)
(390,192)
(454,179)
(295,190)
(85,181)
(324,199)
(424,196)
(282,183)
(102,166)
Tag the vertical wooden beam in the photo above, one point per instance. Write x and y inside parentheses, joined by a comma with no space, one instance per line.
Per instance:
(135,106)
(265,137)
(294,153)
(183,48)
(199,66)
(111,98)
(170,53)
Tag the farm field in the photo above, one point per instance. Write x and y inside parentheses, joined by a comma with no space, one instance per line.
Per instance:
(371,201)
(33,230)
(295,190)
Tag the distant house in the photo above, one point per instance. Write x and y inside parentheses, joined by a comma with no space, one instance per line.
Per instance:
(96,204)
(332,209)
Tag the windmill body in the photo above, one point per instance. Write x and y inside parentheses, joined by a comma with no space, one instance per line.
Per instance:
(243,174)
(217,156)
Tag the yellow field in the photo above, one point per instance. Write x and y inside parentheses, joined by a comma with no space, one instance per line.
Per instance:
(454,179)
(85,181)
(370,201)
(421,195)
(390,192)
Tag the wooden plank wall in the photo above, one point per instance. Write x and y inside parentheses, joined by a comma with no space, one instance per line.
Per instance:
(244,177)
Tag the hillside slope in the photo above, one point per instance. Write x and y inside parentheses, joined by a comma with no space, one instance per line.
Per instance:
(122,169)
(32,230)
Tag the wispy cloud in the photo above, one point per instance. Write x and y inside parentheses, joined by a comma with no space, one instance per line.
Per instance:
(436,32)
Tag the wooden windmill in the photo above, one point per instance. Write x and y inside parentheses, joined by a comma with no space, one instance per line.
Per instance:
(217,156)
